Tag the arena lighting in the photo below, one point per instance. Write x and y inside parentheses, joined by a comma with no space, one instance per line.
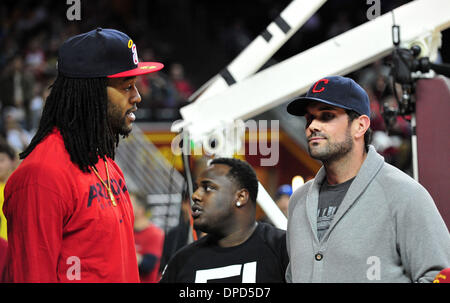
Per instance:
(297,181)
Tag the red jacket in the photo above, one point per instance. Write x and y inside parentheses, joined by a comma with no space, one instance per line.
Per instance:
(62,226)
(150,241)
(3,249)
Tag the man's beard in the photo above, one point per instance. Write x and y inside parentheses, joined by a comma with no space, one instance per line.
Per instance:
(118,121)
(331,151)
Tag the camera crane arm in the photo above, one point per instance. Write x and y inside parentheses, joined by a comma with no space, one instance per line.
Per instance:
(420,20)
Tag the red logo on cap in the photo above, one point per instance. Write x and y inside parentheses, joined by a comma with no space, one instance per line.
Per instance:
(135,55)
(315,90)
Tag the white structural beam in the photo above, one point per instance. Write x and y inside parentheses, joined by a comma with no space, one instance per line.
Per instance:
(260,50)
(270,208)
(248,62)
(337,56)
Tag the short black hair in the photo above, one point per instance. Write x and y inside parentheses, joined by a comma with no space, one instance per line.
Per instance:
(242,173)
(352,115)
(7,149)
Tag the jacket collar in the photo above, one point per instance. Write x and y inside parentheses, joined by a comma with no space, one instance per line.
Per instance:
(369,169)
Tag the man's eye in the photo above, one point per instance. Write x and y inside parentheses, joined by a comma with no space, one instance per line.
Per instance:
(308,121)
(208,188)
(327,116)
(128,88)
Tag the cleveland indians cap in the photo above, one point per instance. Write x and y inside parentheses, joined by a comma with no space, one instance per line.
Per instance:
(334,90)
(102,53)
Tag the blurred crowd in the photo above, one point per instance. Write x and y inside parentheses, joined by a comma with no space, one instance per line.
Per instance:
(32,31)
(30,35)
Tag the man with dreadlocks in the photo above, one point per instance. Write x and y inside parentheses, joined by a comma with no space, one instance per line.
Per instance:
(67,206)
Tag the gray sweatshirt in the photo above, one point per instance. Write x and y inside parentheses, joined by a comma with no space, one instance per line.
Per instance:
(387,229)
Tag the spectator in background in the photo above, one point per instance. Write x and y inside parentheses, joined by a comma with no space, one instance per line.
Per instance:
(16,135)
(35,56)
(37,105)
(149,240)
(163,97)
(282,198)
(391,136)
(182,85)
(159,94)
(8,162)
(16,86)
(146,108)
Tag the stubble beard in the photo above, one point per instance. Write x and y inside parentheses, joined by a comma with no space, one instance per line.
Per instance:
(117,121)
(331,152)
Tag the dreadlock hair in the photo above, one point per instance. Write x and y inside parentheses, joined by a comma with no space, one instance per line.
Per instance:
(242,174)
(78,108)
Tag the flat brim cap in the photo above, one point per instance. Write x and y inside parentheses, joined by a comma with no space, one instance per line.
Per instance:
(336,91)
(142,69)
(297,106)
(102,53)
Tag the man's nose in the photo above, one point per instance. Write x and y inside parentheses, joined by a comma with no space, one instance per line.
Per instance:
(196,196)
(313,126)
(136,97)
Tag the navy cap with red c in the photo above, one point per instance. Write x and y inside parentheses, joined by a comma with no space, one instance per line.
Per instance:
(338,91)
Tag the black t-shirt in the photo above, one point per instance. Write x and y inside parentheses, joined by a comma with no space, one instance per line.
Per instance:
(330,197)
(261,259)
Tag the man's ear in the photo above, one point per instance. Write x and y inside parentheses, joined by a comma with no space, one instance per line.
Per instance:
(360,126)
(242,196)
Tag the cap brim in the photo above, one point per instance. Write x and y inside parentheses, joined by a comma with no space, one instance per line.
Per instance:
(142,69)
(297,107)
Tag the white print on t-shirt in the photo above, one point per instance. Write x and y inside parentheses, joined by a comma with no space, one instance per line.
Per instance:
(248,273)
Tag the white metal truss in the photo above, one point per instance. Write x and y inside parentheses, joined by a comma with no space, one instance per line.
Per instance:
(260,50)
(149,173)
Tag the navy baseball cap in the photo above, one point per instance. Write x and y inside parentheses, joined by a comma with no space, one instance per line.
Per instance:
(284,189)
(102,53)
(334,90)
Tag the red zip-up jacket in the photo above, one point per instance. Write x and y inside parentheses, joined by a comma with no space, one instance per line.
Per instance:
(62,226)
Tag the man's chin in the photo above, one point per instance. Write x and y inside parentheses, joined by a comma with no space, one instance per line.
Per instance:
(125,131)
(199,226)
(316,152)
